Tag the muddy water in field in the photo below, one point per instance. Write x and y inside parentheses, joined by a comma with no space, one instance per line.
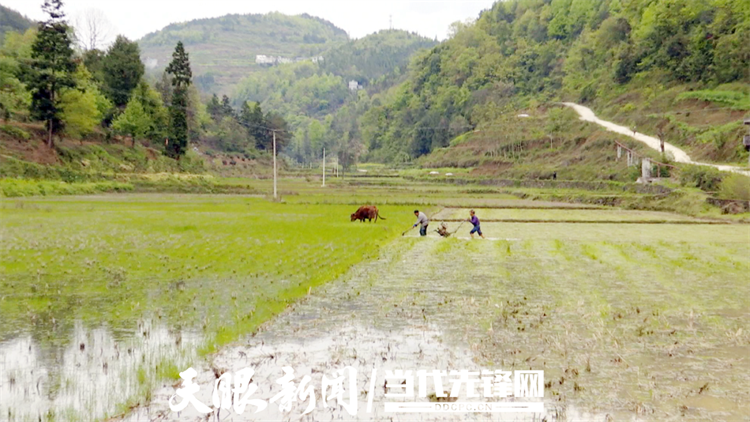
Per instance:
(396,313)
(649,325)
(86,378)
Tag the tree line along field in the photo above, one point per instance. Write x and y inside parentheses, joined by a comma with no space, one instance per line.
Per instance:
(174,278)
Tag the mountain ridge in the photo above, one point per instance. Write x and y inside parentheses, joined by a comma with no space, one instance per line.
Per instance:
(224,49)
(11,20)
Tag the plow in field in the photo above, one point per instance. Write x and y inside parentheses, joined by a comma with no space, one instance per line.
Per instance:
(443,230)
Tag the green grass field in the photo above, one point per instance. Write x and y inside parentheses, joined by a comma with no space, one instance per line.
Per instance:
(167,253)
(217,266)
(134,287)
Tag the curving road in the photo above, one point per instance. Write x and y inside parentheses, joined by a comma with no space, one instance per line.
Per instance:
(679,155)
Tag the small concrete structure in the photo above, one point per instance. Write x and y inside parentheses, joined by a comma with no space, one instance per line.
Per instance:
(646,169)
(632,160)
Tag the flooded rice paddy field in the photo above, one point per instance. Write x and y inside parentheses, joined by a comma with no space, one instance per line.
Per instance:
(124,289)
(623,332)
(628,321)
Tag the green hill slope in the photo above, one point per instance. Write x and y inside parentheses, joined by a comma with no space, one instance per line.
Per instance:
(10,20)
(375,55)
(636,61)
(223,50)
(316,90)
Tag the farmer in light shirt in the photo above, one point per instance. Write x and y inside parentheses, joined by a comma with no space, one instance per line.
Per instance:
(474,220)
(422,221)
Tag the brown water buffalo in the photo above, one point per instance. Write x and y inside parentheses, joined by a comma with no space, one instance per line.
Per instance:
(367,212)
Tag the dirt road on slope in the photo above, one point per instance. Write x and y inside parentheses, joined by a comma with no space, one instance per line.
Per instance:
(679,155)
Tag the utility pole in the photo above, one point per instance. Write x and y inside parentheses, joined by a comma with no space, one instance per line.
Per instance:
(390,21)
(324,167)
(274,166)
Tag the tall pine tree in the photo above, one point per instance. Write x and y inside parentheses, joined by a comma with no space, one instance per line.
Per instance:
(251,116)
(51,69)
(214,108)
(179,68)
(226,107)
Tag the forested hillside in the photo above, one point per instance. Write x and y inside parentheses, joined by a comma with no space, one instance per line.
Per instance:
(680,66)
(223,49)
(369,58)
(10,20)
(106,102)
(316,99)
(100,115)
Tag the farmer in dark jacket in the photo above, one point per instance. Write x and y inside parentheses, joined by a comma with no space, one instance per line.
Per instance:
(474,220)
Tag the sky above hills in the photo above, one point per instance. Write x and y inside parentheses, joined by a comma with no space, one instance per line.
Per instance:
(136,18)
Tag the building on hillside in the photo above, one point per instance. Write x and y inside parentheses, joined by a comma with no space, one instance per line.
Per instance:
(274,60)
(263,59)
(150,63)
(354,85)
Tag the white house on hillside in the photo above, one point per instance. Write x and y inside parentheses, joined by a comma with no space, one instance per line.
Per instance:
(274,60)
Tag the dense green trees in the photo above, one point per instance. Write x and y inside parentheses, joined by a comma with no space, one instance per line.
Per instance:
(219,109)
(79,94)
(83,106)
(153,107)
(121,69)
(12,21)
(373,56)
(251,117)
(52,67)
(39,70)
(134,121)
(15,51)
(247,131)
(107,93)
